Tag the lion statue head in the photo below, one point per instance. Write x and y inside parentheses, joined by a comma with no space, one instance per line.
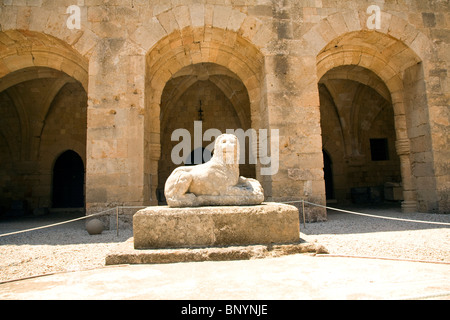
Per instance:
(226,149)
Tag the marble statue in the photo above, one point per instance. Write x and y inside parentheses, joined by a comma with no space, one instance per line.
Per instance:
(214,183)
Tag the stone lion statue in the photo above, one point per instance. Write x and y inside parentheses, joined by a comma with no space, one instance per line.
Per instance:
(216,182)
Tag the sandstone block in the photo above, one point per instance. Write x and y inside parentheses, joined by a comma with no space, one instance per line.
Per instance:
(126,254)
(164,227)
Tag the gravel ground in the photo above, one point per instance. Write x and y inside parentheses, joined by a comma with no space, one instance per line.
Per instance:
(349,234)
(69,247)
(66,247)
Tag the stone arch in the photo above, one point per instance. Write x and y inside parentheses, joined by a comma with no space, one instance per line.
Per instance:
(223,47)
(37,72)
(213,73)
(21,49)
(224,102)
(167,20)
(190,47)
(336,25)
(392,52)
(48,161)
(339,54)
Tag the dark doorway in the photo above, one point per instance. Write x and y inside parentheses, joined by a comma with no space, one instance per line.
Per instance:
(328,176)
(379,150)
(68,181)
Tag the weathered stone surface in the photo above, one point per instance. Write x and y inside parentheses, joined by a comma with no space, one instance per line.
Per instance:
(164,227)
(114,89)
(216,182)
(126,254)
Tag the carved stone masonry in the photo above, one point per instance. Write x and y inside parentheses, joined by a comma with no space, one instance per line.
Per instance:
(216,182)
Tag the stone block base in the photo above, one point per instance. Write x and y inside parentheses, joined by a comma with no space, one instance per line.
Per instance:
(126,254)
(164,227)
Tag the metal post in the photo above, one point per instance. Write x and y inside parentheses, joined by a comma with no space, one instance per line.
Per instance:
(303,211)
(117,220)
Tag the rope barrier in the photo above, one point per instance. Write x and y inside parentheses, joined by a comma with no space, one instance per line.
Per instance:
(370,215)
(286,202)
(73,220)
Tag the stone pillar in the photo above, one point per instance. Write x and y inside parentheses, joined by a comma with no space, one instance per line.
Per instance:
(409,203)
(115,134)
(293,107)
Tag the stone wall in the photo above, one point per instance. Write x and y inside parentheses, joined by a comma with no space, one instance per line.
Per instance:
(123,54)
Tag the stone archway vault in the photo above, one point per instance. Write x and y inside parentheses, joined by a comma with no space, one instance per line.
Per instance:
(43,93)
(390,59)
(188,47)
(20,49)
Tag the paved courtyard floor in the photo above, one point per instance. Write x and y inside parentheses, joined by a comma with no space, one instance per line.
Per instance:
(397,273)
(290,277)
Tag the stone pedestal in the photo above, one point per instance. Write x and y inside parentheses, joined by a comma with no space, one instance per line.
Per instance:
(164,227)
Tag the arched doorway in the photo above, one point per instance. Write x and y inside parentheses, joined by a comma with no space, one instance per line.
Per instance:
(197,99)
(357,67)
(68,181)
(358,131)
(43,111)
(209,70)
(328,176)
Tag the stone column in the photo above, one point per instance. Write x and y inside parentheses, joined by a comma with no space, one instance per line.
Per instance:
(409,203)
(293,108)
(115,134)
